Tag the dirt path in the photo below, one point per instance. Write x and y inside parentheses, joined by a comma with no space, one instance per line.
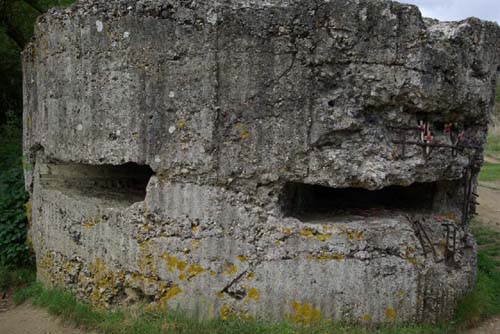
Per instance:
(26,319)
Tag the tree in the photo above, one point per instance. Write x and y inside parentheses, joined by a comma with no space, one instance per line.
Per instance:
(17,19)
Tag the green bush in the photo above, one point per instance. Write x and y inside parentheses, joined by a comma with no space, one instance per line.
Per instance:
(14,250)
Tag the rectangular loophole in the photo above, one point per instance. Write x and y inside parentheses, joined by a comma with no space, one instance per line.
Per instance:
(312,202)
(112,185)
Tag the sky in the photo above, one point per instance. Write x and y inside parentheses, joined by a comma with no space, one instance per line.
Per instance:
(452,10)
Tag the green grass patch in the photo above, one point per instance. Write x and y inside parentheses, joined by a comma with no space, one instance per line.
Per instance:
(493,146)
(484,301)
(490,172)
(68,308)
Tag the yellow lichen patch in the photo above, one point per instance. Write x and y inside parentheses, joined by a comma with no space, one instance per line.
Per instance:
(45,265)
(195,244)
(351,235)
(304,313)
(327,257)
(195,229)
(309,233)
(195,269)
(286,230)
(245,316)
(366,318)
(230,269)
(172,292)
(250,276)
(306,233)
(400,294)
(181,265)
(220,294)
(409,255)
(167,294)
(89,223)
(242,258)
(28,211)
(171,262)
(253,294)
(181,124)
(212,273)
(390,314)
(224,312)
(105,283)
(243,133)
(182,276)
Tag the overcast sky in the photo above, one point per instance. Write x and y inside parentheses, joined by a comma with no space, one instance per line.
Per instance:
(452,10)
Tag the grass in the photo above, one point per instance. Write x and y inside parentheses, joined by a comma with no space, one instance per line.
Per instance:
(490,172)
(484,301)
(68,308)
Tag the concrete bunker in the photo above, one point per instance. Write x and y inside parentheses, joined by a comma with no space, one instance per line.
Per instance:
(243,110)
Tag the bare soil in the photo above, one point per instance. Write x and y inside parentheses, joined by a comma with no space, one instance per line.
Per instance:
(27,319)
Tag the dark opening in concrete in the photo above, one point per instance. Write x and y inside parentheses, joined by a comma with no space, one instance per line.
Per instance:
(311,202)
(113,185)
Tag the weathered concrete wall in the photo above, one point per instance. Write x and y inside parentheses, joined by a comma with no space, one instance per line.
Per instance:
(236,107)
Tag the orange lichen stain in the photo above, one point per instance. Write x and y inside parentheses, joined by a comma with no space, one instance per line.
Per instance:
(224,312)
(366,318)
(229,269)
(326,257)
(400,294)
(351,235)
(304,313)
(390,314)
(253,294)
(181,124)
(195,269)
(250,276)
(242,258)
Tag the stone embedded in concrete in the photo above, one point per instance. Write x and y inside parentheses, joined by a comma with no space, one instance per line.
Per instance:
(274,159)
